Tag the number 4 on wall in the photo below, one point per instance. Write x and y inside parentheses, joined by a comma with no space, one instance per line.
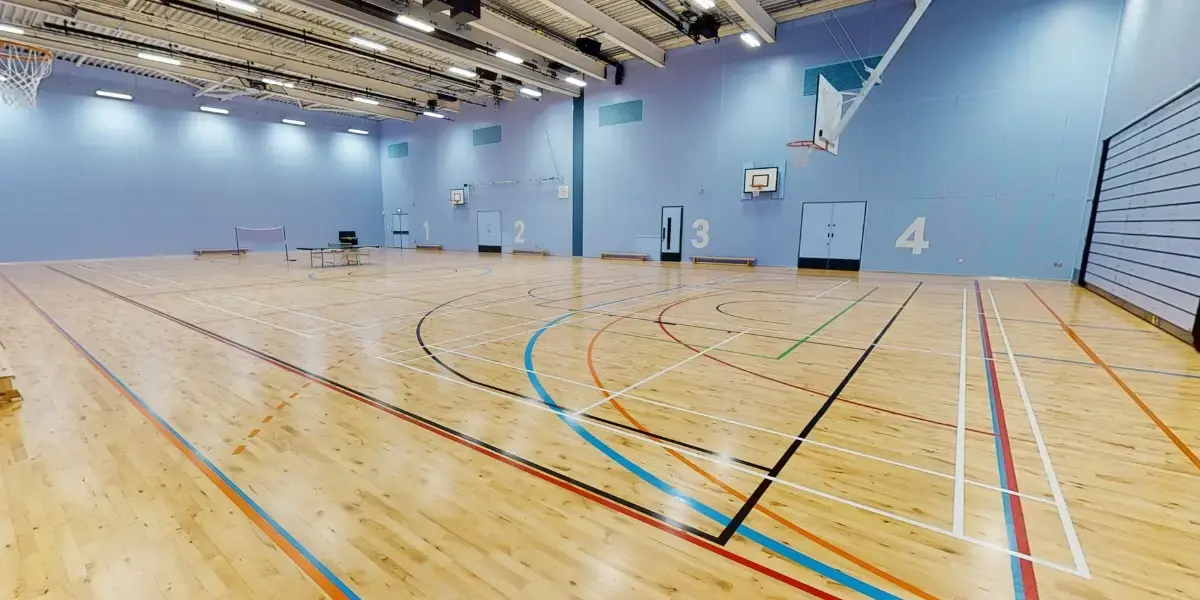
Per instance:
(914,236)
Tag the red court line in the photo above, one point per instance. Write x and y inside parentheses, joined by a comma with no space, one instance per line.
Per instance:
(737,494)
(1095,358)
(479,446)
(844,399)
(1028,578)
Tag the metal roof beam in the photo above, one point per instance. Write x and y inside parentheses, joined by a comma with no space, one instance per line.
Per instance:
(753,14)
(515,34)
(431,43)
(590,16)
(68,44)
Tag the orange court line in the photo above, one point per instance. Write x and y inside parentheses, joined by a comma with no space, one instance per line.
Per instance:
(740,496)
(1120,382)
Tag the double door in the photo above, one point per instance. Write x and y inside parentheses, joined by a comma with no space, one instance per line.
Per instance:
(491,237)
(831,235)
(671,227)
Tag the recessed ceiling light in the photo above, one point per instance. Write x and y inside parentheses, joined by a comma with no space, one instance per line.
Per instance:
(435,115)
(751,40)
(575,81)
(368,44)
(359,131)
(214,110)
(12,30)
(366,101)
(502,55)
(463,72)
(286,84)
(238,5)
(293,122)
(158,58)
(532,93)
(704,4)
(114,95)
(415,24)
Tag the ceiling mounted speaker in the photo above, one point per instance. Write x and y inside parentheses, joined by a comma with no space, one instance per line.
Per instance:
(486,75)
(464,11)
(588,46)
(435,6)
(705,26)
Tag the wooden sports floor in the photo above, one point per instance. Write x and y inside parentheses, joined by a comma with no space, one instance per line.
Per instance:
(452,425)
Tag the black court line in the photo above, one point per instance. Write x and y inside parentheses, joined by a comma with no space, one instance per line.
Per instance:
(744,512)
(396,410)
(721,309)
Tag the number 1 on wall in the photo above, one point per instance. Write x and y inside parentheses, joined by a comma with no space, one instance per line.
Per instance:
(426,224)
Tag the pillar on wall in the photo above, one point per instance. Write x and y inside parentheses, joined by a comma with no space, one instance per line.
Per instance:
(577,177)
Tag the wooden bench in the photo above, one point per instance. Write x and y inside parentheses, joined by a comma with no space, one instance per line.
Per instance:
(624,256)
(435,247)
(530,251)
(724,260)
(8,389)
(203,251)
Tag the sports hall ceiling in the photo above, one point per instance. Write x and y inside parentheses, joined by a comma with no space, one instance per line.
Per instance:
(304,48)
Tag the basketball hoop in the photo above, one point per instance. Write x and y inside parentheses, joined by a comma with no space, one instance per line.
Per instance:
(802,150)
(755,190)
(22,69)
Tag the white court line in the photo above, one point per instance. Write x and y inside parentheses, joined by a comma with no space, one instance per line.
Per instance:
(107,274)
(155,277)
(294,312)
(736,423)
(543,320)
(831,289)
(754,473)
(960,439)
(1052,479)
(238,314)
(659,374)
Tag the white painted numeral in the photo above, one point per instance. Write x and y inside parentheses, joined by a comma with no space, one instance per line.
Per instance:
(426,230)
(914,236)
(519,237)
(701,227)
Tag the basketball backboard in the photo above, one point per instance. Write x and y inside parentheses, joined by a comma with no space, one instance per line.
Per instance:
(828,115)
(759,180)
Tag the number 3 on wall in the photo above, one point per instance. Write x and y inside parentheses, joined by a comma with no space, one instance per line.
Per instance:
(914,236)
(426,223)
(519,235)
(701,227)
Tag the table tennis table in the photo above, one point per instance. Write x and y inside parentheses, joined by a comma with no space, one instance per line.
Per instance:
(339,255)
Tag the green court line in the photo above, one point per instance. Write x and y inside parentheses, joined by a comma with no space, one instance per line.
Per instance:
(825,324)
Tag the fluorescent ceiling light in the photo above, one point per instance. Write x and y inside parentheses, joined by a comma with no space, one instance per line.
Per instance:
(368,44)
(415,24)
(214,110)
(12,30)
(286,84)
(532,93)
(293,122)
(3,78)
(502,55)
(463,72)
(435,115)
(114,95)
(158,58)
(359,131)
(238,5)
(575,81)
(750,40)
(366,101)
(704,4)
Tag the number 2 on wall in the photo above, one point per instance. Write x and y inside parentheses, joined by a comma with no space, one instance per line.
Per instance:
(914,236)
(426,230)
(519,236)
(701,227)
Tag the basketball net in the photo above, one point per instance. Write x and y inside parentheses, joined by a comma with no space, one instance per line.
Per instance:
(802,151)
(755,190)
(22,69)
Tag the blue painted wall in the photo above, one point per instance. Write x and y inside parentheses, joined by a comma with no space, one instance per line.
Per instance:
(986,125)
(535,144)
(88,177)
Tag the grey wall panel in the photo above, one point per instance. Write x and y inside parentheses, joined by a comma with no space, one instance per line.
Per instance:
(1154,124)
(1167,313)
(1179,229)
(1185,247)
(1180,300)
(1179,142)
(1174,262)
(1176,196)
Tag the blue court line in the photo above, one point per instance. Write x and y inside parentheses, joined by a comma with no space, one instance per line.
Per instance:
(1123,368)
(182,440)
(769,543)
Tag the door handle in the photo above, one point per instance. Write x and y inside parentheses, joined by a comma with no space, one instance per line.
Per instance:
(663,235)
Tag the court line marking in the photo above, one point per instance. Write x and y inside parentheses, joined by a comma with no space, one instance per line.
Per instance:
(616,503)
(1183,447)
(1023,576)
(831,289)
(310,565)
(960,437)
(729,421)
(660,373)
(1118,367)
(193,300)
(567,417)
(107,274)
(825,324)
(288,310)
(1064,514)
